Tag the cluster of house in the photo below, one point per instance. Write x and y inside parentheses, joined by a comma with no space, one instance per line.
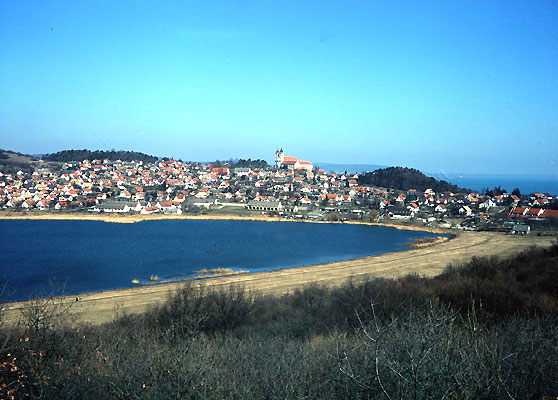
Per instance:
(168,186)
(292,187)
(532,213)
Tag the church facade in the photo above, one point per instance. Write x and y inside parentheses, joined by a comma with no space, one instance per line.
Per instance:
(288,162)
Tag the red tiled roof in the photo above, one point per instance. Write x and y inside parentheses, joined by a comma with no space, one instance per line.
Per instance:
(220,171)
(533,212)
(517,212)
(549,213)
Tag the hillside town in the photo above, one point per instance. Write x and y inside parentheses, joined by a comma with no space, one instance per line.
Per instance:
(292,188)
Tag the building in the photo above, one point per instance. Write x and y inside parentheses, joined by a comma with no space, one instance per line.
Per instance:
(264,205)
(279,157)
(288,162)
(114,206)
(400,213)
(521,229)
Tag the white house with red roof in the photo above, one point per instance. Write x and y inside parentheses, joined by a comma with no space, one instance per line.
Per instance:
(149,210)
(305,165)
(288,162)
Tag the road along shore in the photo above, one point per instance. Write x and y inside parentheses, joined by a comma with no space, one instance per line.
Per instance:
(99,307)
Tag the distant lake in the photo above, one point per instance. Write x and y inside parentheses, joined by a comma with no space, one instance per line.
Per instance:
(94,255)
(527,184)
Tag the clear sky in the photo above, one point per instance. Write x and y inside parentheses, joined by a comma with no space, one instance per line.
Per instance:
(456,86)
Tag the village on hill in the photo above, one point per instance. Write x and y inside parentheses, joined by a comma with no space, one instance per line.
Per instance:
(292,188)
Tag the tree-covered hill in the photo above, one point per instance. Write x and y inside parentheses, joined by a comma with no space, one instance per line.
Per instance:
(406,178)
(240,163)
(80,155)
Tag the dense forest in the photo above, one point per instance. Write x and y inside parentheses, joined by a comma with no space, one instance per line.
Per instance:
(483,330)
(407,178)
(80,155)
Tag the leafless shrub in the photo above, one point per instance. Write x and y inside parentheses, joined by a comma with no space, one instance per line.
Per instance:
(434,353)
(46,313)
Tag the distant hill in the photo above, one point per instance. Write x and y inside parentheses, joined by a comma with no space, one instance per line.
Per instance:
(11,162)
(80,155)
(350,168)
(406,178)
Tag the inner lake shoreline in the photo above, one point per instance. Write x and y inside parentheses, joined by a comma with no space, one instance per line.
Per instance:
(134,218)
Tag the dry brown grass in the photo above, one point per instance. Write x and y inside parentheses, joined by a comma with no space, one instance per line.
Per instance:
(425,242)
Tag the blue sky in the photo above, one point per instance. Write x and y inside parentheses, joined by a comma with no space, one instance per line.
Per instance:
(465,86)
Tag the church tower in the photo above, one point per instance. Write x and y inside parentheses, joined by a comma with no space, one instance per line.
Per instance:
(279,157)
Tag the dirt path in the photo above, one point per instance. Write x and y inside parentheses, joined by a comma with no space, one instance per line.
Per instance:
(100,306)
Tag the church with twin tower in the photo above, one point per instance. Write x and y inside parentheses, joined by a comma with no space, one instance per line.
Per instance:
(286,162)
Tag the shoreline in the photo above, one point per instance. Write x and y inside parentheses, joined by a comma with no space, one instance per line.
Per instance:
(133,218)
(99,307)
(412,245)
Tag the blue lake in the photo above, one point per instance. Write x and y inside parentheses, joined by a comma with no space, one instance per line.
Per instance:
(94,255)
(525,183)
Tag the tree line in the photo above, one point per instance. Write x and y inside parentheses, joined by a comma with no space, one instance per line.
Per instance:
(240,163)
(113,155)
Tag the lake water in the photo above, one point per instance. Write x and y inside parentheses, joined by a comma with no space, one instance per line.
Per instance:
(94,255)
(527,184)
